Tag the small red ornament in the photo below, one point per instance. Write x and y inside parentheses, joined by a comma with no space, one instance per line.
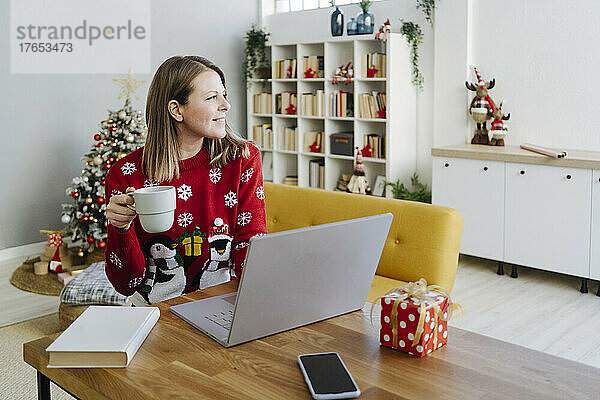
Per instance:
(366,151)
(91,239)
(100,199)
(100,145)
(84,219)
(371,72)
(96,137)
(381,114)
(102,182)
(106,165)
(112,128)
(315,148)
(309,73)
(102,244)
(291,110)
(75,195)
(111,160)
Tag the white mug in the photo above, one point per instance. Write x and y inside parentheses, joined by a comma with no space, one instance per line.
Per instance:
(155,207)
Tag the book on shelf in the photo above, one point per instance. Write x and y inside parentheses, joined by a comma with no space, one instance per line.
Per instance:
(341,104)
(285,69)
(311,138)
(376,144)
(291,180)
(263,136)
(372,105)
(316,173)
(312,104)
(103,337)
(373,65)
(267,166)
(286,103)
(316,65)
(288,138)
(262,103)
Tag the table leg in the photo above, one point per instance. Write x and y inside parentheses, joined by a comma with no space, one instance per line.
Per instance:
(43,386)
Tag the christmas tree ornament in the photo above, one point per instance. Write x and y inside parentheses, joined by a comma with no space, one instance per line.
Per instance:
(102,244)
(100,199)
(96,137)
(91,239)
(98,160)
(129,86)
(65,218)
(75,195)
(88,200)
(129,138)
(122,115)
(80,253)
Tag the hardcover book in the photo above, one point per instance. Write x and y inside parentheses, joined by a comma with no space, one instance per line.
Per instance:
(103,336)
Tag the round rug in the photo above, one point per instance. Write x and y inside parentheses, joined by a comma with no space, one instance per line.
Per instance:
(23,278)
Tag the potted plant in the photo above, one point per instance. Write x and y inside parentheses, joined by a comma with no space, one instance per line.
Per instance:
(421,192)
(256,62)
(414,36)
(365,19)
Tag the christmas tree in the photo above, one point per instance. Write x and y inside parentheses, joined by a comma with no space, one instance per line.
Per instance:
(121,133)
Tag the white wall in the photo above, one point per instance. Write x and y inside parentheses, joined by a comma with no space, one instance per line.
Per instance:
(314,25)
(544,56)
(48,120)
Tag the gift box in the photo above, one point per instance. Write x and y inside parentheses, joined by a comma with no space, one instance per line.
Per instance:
(414,318)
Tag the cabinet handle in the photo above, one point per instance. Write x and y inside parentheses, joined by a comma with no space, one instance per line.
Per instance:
(485,168)
(568,176)
(446,165)
(522,172)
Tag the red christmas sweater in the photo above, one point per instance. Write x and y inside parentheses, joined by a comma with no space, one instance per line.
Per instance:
(218,211)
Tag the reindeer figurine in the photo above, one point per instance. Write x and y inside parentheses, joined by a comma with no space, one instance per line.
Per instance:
(481,107)
(498,130)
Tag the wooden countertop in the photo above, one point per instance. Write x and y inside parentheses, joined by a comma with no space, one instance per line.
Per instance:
(177,361)
(574,158)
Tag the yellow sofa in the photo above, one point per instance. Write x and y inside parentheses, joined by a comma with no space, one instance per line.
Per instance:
(423,241)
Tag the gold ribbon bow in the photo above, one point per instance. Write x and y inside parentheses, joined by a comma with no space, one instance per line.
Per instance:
(417,291)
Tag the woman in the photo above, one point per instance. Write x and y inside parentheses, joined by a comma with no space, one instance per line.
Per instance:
(218,181)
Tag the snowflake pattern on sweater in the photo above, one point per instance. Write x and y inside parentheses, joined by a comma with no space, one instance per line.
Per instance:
(217,211)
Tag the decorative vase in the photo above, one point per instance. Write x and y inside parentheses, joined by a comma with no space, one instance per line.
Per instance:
(352,27)
(365,22)
(337,22)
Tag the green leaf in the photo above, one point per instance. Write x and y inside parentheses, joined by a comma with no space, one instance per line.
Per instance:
(420,193)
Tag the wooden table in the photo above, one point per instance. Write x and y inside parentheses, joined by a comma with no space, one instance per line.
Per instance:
(177,361)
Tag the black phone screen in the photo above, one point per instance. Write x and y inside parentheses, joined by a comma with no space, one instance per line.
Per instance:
(327,374)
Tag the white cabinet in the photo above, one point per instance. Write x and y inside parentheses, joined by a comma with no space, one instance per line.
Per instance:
(475,188)
(595,236)
(547,218)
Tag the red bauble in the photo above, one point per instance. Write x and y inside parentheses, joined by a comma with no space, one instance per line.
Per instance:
(106,165)
(75,195)
(102,182)
(96,137)
(100,199)
(100,145)
(112,129)
(102,244)
(84,218)
(91,239)
(112,159)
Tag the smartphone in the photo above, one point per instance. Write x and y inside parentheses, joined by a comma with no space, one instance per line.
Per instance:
(327,377)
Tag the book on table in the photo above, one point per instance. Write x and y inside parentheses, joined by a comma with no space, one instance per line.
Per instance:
(102,337)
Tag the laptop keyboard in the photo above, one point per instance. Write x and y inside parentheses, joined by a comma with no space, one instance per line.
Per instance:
(222,318)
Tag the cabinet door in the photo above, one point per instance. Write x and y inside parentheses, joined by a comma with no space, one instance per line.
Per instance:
(475,188)
(595,237)
(547,218)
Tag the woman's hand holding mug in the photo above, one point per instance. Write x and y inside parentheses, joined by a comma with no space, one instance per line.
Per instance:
(117,213)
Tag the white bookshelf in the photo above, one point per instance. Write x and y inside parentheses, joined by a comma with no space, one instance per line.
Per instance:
(398,128)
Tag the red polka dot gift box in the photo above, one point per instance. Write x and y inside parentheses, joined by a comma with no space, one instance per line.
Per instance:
(414,318)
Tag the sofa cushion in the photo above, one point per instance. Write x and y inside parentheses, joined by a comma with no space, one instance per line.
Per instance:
(423,241)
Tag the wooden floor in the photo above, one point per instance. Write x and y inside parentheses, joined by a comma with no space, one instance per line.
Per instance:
(17,305)
(539,310)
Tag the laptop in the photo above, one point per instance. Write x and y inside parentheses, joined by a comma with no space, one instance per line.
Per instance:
(294,278)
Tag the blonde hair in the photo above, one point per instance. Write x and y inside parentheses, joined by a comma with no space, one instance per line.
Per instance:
(173,81)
